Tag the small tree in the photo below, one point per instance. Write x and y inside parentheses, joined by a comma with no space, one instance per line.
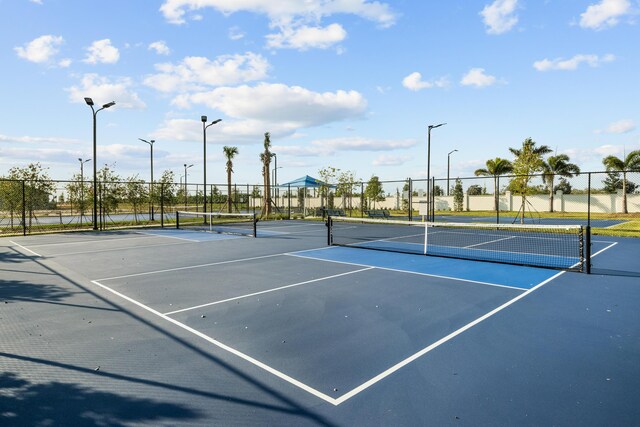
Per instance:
(229,153)
(528,162)
(474,190)
(327,176)
(374,191)
(265,158)
(495,168)
(37,187)
(557,165)
(136,194)
(613,183)
(458,196)
(630,163)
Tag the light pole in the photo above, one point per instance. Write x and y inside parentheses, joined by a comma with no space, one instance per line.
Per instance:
(429,166)
(204,136)
(186,189)
(89,102)
(151,182)
(448,167)
(82,162)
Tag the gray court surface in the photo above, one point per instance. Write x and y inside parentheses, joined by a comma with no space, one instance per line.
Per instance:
(171,327)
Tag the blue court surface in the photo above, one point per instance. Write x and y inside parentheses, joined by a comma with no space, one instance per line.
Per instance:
(175,327)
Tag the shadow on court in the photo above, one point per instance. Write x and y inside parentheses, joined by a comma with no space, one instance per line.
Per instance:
(34,403)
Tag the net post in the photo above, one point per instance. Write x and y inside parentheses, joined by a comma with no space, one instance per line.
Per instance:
(289,199)
(587,249)
(410,199)
(589,200)
(329,231)
(497,198)
(255,225)
(177,220)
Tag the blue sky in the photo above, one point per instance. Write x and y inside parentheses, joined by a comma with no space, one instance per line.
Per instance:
(351,84)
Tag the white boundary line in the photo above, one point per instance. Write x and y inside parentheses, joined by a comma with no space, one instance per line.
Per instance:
(172,237)
(269,290)
(125,248)
(25,248)
(395,270)
(79,242)
(231,350)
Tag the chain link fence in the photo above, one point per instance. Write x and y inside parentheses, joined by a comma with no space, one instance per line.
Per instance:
(609,202)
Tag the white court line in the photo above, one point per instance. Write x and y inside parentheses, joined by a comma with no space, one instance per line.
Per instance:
(25,248)
(268,227)
(171,237)
(269,290)
(118,239)
(190,267)
(407,271)
(490,241)
(125,248)
(219,344)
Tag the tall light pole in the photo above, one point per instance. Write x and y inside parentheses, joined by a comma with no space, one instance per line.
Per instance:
(429,166)
(448,167)
(151,182)
(89,102)
(204,136)
(82,162)
(186,189)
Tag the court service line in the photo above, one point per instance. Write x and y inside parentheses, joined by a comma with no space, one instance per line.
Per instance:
(125,248)
(395,270)
(25,248)
(225,347)
(269,290)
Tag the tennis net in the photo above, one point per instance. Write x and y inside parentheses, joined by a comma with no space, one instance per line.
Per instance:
(217,222)
(551,246)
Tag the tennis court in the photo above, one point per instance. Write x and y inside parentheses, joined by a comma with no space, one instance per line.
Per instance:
(183,327)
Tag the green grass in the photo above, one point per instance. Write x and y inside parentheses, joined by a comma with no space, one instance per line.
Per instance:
(627,229)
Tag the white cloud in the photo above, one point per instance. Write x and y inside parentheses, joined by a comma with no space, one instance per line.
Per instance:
(477,77)
(499,16)
(101,51)
(41,49)
(305,37)
(36,1)
(621,126)
(64,63)
(390,160)
(160,47)
(414,82)
(572,63)
(194,72)
(103,90)
(235,33)
(279,103)
(226,132)
(327,147)
(280,11)
(604,14)
(37,140)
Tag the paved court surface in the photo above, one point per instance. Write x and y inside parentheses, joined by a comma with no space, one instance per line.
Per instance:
(171,327)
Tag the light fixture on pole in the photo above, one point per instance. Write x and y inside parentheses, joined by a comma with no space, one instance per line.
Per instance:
(429,207)
(185,185)
(448,167)
(151,182)
(204,136)
(89,102)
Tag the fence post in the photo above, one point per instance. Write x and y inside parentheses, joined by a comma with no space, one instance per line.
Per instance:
(497,196)
(361,199)
(410,199)
(289,199)
(24,210)
(162,204)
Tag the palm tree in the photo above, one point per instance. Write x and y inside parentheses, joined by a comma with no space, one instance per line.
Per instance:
(495,167)
(528,162)
(631,163)
(557,165)
(229,153)
(265,158)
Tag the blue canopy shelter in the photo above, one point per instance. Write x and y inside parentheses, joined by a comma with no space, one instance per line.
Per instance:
(306,182)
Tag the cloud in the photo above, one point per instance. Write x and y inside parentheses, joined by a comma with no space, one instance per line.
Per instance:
(101,51)
(327,147)
(604,14)
(174,11)
(226,132)
(103,90)
(195,72)
(40,50)
(305,37)
(37,140)
(415,83)
(160,47)
(390,160)
(279,103)
(621,126)
(572,63)
(499,16)
(477,77)
(235,33)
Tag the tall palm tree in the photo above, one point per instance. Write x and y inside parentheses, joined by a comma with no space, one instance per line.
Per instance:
(631,163)
(557,165)
(265,158)
(495,167)
(528,162)
(229,153)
